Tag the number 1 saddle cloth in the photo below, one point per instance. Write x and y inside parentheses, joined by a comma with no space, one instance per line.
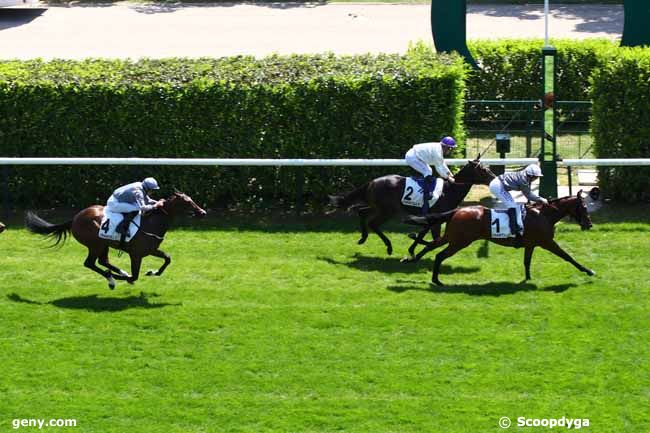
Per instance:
(500,222)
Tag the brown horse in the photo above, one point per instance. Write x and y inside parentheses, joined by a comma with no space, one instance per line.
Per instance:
(381,199)
(468,224)
(84,226)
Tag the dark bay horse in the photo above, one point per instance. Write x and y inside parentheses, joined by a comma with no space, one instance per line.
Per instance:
(468,224)
(84,226)
(381,199)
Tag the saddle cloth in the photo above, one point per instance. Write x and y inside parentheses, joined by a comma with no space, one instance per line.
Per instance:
(500,222)
(413,193)
(111,220)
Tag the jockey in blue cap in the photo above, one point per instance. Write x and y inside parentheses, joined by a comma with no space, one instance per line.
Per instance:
(516,181)
(132,199)
(421,156)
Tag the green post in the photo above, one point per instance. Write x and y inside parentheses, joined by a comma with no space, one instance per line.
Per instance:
(449,27)
(548,155)
(636,31)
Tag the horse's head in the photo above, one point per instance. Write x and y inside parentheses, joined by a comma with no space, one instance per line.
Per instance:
(2,227)
(475,173)
(577,208)
(179,203)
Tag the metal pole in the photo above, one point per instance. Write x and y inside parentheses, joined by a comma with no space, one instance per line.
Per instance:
(570,182)
(546,23)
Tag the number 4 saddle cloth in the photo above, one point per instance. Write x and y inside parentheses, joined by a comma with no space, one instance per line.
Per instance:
(413,194)
(500,222)
(111,220)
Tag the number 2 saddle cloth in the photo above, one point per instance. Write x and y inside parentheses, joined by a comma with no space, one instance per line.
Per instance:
(500,222)
(110,222)
(413,194)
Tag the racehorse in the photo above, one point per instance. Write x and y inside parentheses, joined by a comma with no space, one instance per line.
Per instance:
(85,225)
(381,199)
(468,224)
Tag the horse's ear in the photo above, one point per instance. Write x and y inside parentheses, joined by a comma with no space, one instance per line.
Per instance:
(579,195)
(478,157)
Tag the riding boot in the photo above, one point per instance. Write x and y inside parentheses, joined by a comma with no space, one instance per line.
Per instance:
(123,227)
(427,189)
(515,228)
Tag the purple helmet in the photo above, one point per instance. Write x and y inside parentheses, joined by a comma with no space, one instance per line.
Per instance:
(448,141)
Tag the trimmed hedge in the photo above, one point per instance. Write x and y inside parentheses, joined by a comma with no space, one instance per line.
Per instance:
(512,68)
(621,122)
(290,107)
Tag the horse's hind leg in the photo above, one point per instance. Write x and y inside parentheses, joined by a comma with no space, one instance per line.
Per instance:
(90,264)
(374,223)
(363,221)
(119,273)
(163,255)
(419,240)
(442,255)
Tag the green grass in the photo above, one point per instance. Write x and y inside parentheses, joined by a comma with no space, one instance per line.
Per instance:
(292,327)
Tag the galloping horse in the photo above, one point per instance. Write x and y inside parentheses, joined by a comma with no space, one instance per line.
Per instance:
(381,199)
(468,224)
(84,226)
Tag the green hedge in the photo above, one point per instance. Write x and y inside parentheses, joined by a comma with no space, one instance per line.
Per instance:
(512,68)
(289,107)
(621,122)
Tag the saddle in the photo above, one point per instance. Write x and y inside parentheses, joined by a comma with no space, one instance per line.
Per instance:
(500,222)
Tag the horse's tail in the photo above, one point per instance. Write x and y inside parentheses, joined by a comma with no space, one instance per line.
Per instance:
(36,224)
(357,196)
(431,219)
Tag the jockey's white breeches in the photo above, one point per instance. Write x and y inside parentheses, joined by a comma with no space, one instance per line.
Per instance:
(499,191)
(112,205)
(437,190)
(417,164)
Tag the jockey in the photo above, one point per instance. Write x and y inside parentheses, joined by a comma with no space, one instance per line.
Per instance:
(132,199)
(516,181)
(420,156)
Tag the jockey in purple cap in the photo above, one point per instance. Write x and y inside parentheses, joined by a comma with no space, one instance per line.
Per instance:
(421,156)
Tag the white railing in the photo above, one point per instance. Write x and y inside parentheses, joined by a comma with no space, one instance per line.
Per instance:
(632,162)
(243,161)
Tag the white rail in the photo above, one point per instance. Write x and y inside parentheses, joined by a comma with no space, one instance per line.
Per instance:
(242,162)
(632,162)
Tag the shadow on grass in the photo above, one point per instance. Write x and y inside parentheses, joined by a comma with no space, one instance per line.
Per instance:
(485,289)
(394,265)
(96,304)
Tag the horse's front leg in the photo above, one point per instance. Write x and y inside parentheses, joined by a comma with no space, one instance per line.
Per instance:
(553,247)
(163,255)
(528,255)
(136,262)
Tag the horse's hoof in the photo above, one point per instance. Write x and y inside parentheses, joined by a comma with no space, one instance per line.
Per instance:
(124,274)
(436,281)
(408,259)
(152,274)
(130,282)
(590,272)
(389,250)
(361,241)
(413,236)
(111,283)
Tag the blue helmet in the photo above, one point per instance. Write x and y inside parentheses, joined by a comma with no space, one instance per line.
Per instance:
(448,141)
(150,184)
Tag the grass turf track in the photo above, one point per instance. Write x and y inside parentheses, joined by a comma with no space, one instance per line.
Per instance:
(292,327)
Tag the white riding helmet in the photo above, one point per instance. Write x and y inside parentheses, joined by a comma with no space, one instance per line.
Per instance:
(150,184)
(533,170)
